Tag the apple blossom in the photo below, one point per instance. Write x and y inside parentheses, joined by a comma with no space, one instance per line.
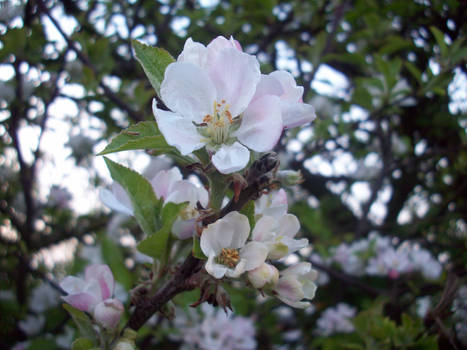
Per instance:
(169,185)
(278,234)
(296,283)
(224,243)
(84,294)
(209,91)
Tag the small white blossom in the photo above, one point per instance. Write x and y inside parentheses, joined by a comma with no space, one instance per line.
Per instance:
(336,320)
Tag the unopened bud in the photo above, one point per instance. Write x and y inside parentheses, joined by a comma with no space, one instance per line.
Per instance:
(108,312)
(127,341)
(263,276)
(290,177)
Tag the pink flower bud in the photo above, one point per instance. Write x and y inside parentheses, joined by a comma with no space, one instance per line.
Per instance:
(108,312)
(263,276)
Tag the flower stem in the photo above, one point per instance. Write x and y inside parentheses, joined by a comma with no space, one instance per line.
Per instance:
(218,185)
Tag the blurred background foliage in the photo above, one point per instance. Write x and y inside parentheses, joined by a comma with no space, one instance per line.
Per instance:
(387,154)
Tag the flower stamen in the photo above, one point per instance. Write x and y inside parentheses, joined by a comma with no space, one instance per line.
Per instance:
(228,257)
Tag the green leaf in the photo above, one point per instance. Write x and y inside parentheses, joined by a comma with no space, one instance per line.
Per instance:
(82,321)
(144,135)
(154,61)
(82,344)
(197,252)
(42,344)
(249,211)
(439,37)
(156,245)
(146,206)
(113,256)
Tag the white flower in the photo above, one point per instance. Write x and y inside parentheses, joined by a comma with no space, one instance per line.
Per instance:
(223,242)
(209,91)
(32,324)
(43,297)
(297,283)
(278,235)
(423,260)
(336,320)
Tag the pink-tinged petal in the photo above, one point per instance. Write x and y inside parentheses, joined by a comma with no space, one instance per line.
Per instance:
(296,114)
(239,269)
(82,301)
(72,285)
(235,75)
(291,92)
(188,91)
(104,277)
(235,43)
(229,159)
(264,229)
(273,204)
(261,125)
(108,313)
(268,85)
(255,254)
(214,269)
(178,131)
(237,223)
(164,180)
(113,202)
(220,43)
(193,52)
(289,225)
(184,229)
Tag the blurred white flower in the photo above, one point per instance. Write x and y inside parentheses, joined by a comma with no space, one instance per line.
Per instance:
(32,324)
(336,320)
(43,297)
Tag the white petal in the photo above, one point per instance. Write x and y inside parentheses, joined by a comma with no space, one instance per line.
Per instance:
(239,269)
(118,204)
(265,229)
(183,191)
(296,114)
(178,131)
(238,223)
(289,225)
(203,196)
(293,244)
(295,304)
(216,236)
(309,289)
(164,180)
(184,229)
(290,288)
(291,92)
(214,269)
(261,125)
(188,91)
(193,52)
(274,204)
(235,75)
(255,254)
(229,159)
(298,269)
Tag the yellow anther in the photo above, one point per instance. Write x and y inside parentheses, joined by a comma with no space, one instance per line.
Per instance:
(229,257)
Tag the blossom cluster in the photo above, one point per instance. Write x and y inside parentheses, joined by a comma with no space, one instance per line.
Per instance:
(213,329)
(459,307)
(233,247)
(378,256)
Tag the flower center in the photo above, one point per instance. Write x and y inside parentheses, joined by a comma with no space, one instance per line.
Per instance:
(228,257)
(217,126)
